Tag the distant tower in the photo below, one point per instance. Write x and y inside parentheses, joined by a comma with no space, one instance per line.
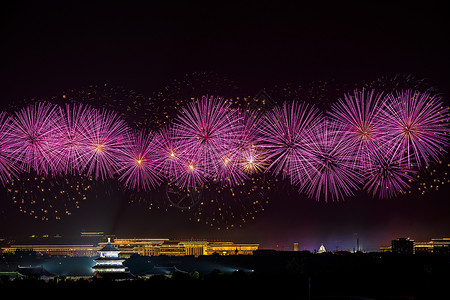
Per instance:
(109,264)
(322,249)
(295,246)
(357,244)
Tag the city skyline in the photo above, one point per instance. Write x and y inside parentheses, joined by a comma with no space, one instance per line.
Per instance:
(145,65)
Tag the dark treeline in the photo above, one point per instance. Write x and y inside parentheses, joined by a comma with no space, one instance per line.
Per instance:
(284,274)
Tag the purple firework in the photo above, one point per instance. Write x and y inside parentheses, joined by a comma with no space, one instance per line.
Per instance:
(253,160)
(229,168)
(33,137)
(190,173)
(358,115)
(284,132)
(417,126)
(246,157)
(368,137)
(106,140)
(330,169)
(175,162)
(139,165)
(387,175)
(252,157)
(8,168)
(208,131)
(168,150)
(73,144)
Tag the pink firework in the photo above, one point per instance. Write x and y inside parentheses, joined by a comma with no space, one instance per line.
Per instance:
(251,153)
(358,115)
(178,165)
(139,164)
(208,130)
(284,132)
(253,160)
(73,145)
(190,172)
(106,140)
(33,137)
(417,126)
(330,170)
(387,175)
(8,167)
(168,151)
(246,155)
(229,168)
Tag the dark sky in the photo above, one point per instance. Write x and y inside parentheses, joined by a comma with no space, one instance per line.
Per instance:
(46,48)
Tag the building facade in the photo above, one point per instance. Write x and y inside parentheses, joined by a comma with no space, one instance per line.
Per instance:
(156,247)
(437,246)
(406,245)
(55,250)
(143,247)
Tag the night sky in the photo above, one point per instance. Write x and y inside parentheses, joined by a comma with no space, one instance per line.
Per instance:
(50,48)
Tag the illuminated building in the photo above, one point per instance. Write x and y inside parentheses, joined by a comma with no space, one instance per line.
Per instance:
(143,247)
(92,234)
(322,249)
(385,249)
(155,247)
(110,265)
(230,248)
(295,246)
(435,246)
(55,250)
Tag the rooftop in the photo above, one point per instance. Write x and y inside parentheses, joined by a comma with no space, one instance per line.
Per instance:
(109,247)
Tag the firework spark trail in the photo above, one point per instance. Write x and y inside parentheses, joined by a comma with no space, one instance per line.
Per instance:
(106,136)
(230,169)
(73,146)
(191,172)
(8,167)
(388,137)
(246,157)
(358,115)
(168,151)
(284,131)
(208,131)
(139,164)
(330,170)
(252,158)
(417,126)
(32,138)
(387,175)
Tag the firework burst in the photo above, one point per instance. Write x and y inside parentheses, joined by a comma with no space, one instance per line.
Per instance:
(284,131)
(417,126)
(387,175)
(33,137)
(72,148)
(252,157)
(359,117)
(330,170)
(106,142)
(190,172)
(168,151)
(207,131)
(381,141)
(8,167)
(139,165)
